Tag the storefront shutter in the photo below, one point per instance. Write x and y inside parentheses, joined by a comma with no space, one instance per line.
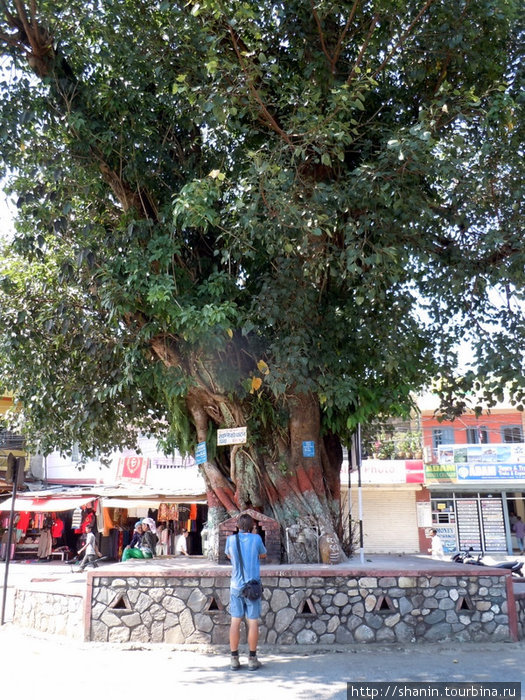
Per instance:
(389,521)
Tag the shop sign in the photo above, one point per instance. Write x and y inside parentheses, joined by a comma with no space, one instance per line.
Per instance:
(440,473)
(383,471)
(392,471)
(504,453)
(491,472)
(231,436)
(491,462)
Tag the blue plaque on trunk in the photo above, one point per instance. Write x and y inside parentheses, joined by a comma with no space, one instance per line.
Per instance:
(308,448)
(201,456)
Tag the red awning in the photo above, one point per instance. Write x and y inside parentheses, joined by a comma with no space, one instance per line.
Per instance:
(48,504)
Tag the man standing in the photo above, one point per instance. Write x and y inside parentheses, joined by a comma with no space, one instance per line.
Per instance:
(181,547)
(252,550)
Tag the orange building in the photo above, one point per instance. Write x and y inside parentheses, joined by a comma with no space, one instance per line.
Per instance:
(474,477)
(503,425)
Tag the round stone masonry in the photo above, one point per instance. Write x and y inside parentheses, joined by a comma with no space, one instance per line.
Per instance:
(187,603)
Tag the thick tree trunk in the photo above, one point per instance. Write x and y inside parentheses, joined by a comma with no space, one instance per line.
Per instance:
(297,486)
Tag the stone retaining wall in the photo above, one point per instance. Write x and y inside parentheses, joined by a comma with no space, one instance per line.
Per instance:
(54,613)
(520,609)
(179,607)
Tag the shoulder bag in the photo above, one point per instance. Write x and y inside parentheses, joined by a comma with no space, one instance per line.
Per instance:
(253,589)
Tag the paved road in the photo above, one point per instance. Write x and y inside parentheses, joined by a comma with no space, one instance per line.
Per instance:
(55,668)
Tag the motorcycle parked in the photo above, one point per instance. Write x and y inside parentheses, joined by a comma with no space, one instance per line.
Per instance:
(468,557)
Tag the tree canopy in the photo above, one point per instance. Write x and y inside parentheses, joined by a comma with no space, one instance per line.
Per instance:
(234,213)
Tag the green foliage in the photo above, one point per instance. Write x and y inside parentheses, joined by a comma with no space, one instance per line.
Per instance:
(336,193)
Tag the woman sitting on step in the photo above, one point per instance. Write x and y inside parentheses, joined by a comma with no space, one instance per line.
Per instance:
(145,548)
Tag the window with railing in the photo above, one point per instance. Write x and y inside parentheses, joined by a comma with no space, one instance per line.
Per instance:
(11,441)
(511,433)
(442,436)
(478,436)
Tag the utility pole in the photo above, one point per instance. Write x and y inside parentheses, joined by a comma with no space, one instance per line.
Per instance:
(15,468)
(355,462)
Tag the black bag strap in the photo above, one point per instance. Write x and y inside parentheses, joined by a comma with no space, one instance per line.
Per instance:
(240,556)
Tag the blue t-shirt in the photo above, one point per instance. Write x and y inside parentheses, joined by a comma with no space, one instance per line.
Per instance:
(251,547)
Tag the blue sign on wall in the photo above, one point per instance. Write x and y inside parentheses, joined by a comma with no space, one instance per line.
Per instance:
(201,455)
(308,448)
(491,472)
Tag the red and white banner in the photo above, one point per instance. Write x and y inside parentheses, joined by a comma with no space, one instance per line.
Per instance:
(133,469)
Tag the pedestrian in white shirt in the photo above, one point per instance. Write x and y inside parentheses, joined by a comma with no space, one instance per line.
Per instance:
(437,546)
(181,548)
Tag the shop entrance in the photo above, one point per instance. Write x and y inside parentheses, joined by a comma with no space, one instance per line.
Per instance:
(477,520)
(515,504)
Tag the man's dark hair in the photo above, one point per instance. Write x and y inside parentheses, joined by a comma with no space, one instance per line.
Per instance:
(434,532)
(246,523)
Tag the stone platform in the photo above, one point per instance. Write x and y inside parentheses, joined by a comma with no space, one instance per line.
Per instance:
(184,601)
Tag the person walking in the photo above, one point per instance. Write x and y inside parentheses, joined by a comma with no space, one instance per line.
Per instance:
(245,567)
(436,548)
(90,548)
(519,531)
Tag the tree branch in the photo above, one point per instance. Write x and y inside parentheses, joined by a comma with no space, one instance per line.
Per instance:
(321,36)
(498,256)
(10,18)
(332,60)
(405,34)
(338,47)
(270,120)
(446,64)
(359,58)
(11,40)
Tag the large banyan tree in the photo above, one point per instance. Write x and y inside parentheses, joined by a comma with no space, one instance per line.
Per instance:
(278,215)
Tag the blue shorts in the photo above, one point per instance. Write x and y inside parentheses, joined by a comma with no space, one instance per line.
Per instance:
(242,607)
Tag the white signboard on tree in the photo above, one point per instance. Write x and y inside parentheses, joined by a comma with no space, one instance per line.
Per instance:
(231,436)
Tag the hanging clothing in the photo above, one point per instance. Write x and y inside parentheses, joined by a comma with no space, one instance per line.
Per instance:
(23,521)
(76,520)
(57,529)
(45,544)
(100,517)
(88,519)
(108,522)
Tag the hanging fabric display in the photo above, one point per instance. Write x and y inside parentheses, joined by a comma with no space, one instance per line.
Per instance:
(108,523)
(76,520)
